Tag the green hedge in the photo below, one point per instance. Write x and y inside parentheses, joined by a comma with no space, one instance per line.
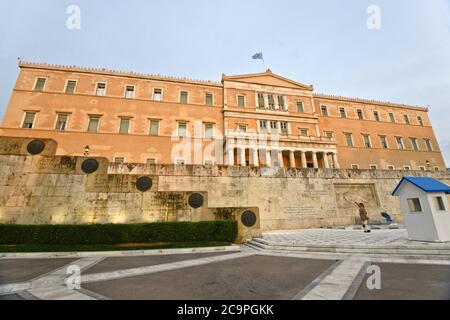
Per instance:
(119,233)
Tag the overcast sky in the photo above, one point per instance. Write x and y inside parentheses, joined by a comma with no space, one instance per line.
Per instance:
(324,43)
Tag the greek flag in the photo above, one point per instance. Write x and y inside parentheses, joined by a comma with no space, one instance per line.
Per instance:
(258,56)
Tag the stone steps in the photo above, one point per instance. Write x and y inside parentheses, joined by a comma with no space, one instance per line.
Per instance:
(407,251)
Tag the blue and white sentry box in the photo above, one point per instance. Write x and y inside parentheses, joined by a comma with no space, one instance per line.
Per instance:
(425,207)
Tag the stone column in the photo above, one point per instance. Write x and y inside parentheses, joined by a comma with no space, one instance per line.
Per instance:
(242,156)
(291,159)
(280,158)
(230,155)
(303,157)
(266,101)
(255,158)
(335,161)
(268,158)
(325,160)
(315,162)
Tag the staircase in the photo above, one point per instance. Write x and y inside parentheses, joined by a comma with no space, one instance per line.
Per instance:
(425,251)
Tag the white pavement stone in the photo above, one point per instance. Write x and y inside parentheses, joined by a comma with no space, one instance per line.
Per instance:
(126,253)
(160,268)
(335,285)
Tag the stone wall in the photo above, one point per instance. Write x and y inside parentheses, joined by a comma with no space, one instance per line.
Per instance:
(48,189)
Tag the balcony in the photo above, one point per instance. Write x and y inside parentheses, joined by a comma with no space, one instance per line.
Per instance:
(279,136)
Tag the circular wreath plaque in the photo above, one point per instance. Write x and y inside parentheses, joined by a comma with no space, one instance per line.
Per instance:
(195,200)
(89,166)
(35,147)
(144,184)
(248,218)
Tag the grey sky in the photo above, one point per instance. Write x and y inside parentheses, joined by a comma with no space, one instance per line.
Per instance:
(324,43)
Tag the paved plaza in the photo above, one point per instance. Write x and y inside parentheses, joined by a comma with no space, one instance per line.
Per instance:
(349,236)
(236,273)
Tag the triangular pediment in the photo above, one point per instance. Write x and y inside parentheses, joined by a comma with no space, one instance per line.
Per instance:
(268,78)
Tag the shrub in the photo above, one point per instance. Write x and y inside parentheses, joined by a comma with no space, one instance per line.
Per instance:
(225,231)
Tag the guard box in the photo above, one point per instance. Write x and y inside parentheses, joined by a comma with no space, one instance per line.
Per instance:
(425,207)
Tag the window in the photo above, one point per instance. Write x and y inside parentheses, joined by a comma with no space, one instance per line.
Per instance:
(273,126)
(349,139)
(414,205)
(209,99)
(414,144)
(119,160)
(342,112)
(428,144)
(376,115)
(129,92)
(329,134)
(184,97)
(61,122)
(407,168)
(241,101)
(262,125)
(300,107)
(436,168)
(182,129)
(180,162)
(157,94)
(271,101)
(281,102)
(304,132)
(391,117)
(93,124)
(420,120)
(242,128)
(28,120)
(261,102)
(150,161)
(70,86)
(422,168)
(367,141)
(284,127)
(101,89)
(154,128)
(373,167)
(209,130)
(208,162)
(40,84)
(383,142)
(360,114)
(355,166)
(400,144)
(324,111)
(406,117)
(124,127)
(391,167)
(439,202)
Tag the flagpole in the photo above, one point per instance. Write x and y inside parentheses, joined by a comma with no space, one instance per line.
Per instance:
(264,63)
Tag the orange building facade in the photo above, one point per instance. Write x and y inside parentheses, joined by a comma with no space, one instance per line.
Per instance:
(258,119)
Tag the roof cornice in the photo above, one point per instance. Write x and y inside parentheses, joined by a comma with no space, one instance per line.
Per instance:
(107,72)
(368,101)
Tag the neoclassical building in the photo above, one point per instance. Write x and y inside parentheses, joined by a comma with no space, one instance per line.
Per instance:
(260,119)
